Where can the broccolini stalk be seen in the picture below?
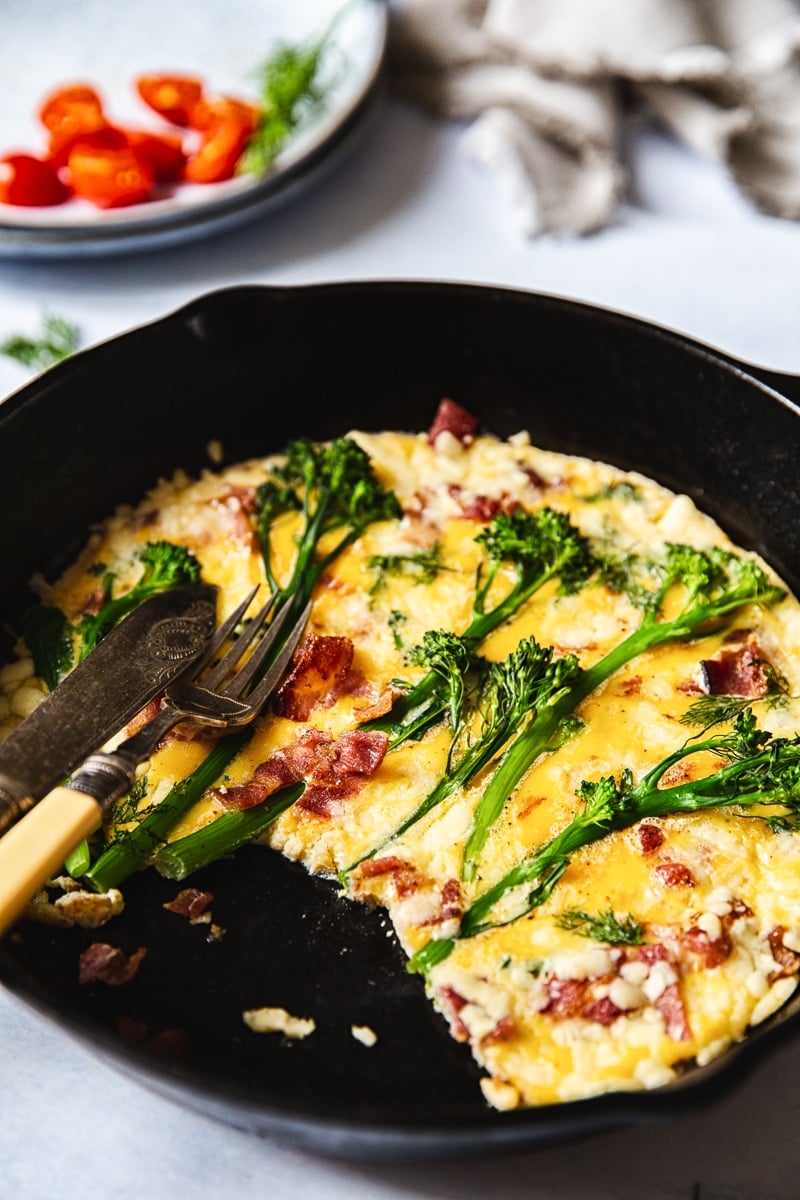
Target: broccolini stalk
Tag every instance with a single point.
(334, 487)
(759, 770)
(135, 848)
(713, 583)
(48, 636)
(165, 564)
(223, 836)
(539, 546)
(507, 699)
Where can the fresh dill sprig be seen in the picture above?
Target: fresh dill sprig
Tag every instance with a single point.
(128, 808)
(394, 621)
(422, 566)
(291, 92)
(708, 711)
(623, 489)
(604, 927)
(58, 340)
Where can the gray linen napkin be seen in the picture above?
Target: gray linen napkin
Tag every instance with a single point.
(546, 85)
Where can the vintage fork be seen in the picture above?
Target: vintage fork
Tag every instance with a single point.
(224, 694)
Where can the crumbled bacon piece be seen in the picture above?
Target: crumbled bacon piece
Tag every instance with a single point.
(713, 951)
(670, 1005)
(788, 960)
(93, 602)
(650, 837)
(632, 686)
(108, 964)
(651, 953)
(404, 875)
(452, 1004)
(741, 672)
(503, 1030)
(534, 478)
(452, 418)
(566, 997)
(190, 903)
(452, 905)
(379, 705)
(142, 718)
(603, 1011)
(480, 507)
(333, 770)
(674, 874)
(237, 503)
(320, 664)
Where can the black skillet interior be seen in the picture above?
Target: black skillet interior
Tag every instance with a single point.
(254, 367)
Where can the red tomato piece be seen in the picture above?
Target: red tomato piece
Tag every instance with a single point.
(28, 181)
(110, 178)
(164, 152)
(219, 151)
(71, 111)
(173, 97)
(107, 138)
(208, 113)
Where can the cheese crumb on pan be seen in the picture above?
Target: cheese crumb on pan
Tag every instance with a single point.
(278, 1020)
(365, 1035)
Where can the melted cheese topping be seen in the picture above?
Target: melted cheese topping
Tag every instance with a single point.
(497, 989)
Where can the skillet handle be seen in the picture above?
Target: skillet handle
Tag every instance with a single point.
(780, 381)
(37, 846)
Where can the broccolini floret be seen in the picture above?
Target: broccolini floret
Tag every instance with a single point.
(706, 585)
(336, 490)
(538, 547)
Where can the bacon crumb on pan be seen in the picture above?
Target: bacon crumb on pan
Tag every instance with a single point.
(320, 664)
(108, 964)
(190, 903)
(453, 419)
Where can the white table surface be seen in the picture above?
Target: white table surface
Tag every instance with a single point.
(688, 252)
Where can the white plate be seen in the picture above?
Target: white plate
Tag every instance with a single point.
(221, 41)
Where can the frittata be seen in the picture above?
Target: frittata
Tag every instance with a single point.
(651, 942)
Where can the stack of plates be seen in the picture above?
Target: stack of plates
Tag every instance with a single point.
(221, 41)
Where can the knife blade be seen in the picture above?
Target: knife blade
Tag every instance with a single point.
(147, 650)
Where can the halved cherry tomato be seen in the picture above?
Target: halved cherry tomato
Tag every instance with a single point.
(208, 113)
(107, 138)
(174, 97)
(28, 181)
(69, 111)
(164, 152)
(219, 151)
(110, 178)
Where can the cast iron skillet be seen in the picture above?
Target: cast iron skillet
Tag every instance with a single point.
(254, 367)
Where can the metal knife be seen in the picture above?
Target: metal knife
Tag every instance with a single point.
(137, 659)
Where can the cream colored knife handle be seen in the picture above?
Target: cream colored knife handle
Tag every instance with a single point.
(34, 849)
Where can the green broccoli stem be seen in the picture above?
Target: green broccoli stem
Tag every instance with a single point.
(219, 839)
(645, 801)
(135, 848)
(542, 733)
(473, 762)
